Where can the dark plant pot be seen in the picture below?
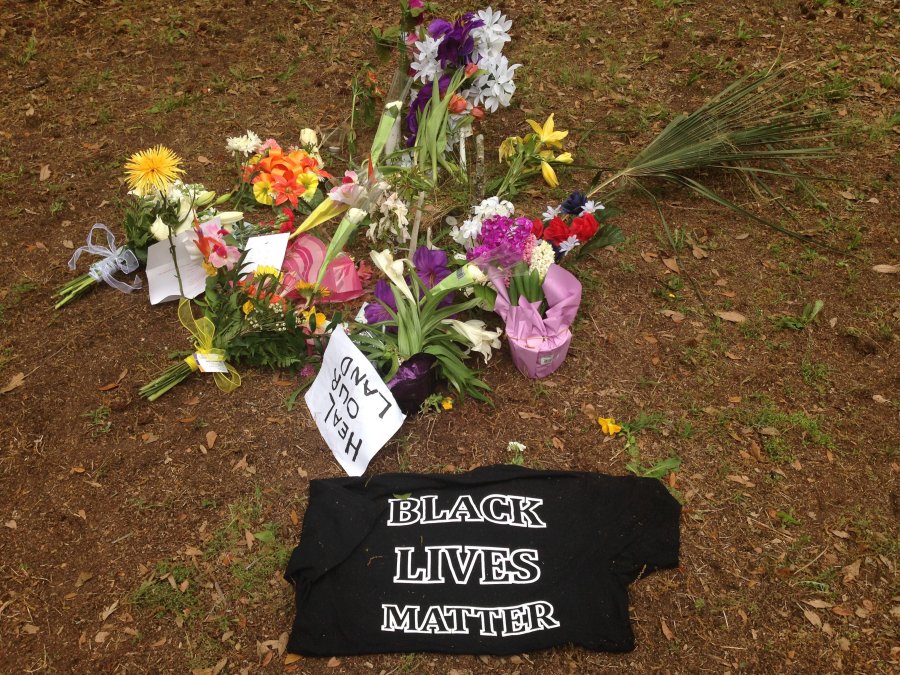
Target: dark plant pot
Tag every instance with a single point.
(415, 381)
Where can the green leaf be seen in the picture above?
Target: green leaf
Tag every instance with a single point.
(265, 536)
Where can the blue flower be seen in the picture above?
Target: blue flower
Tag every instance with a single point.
(574, 203)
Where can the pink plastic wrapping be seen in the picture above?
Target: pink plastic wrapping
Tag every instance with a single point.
(304, 259)
(539, 345)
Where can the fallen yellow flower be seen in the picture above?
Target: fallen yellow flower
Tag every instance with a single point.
(609, 426)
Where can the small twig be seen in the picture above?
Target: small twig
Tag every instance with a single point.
(810, 562)
(123, 538)
(479, 166)
(414, 239)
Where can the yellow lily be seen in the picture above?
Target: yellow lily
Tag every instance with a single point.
(609, 426)
(546, 133)
(508, 147)
(564, 158)
(549, 175)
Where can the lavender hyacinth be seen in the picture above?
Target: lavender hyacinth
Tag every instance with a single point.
(502, 238)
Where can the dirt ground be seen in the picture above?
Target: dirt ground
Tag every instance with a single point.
(123, 524)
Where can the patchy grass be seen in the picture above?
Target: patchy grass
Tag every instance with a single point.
(161, 594)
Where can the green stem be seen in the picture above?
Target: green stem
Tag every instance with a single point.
(171, 376)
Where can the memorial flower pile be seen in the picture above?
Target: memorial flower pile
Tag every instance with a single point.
(271, 275)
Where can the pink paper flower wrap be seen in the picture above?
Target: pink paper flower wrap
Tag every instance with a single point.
(303, 260)
(539, 345)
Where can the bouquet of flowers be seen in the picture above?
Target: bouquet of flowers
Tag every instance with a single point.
(246, 320)
(413, 328)
(527, 157)
(282, 179)
(161, 205)
(474, 43)
(576, 226)
(538, 311)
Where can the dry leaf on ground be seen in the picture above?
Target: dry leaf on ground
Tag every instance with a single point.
(733, 317)
(672, 264)
(15, 382)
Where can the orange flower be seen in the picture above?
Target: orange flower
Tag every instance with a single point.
(457, 104)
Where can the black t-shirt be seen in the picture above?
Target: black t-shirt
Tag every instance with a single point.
(501, 560)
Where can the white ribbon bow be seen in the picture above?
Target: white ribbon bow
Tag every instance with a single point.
(114, 259)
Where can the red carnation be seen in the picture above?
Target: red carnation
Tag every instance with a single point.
(557, 231)
(584, 227)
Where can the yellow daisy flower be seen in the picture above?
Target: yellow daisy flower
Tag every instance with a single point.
(263, 270)
(310, 181)
(262, 192)
(152, 169)
(447, 403)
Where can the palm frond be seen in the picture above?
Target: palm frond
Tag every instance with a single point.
(762, 119)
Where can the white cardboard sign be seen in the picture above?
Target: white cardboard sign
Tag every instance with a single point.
(353, 408)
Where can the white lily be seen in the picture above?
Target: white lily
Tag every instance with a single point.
(230, 217)
(204, 197)
(482, 341)
(393, 270)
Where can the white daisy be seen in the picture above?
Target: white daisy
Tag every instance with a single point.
(569, 244)
(551, 212)
(246, 145)
(590, 206)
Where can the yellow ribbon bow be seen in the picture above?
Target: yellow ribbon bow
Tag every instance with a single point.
(203, 331)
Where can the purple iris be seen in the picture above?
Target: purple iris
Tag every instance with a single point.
(430, 265)
(573, 203)
(418, 105)
(458, 45)
(374, 311)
